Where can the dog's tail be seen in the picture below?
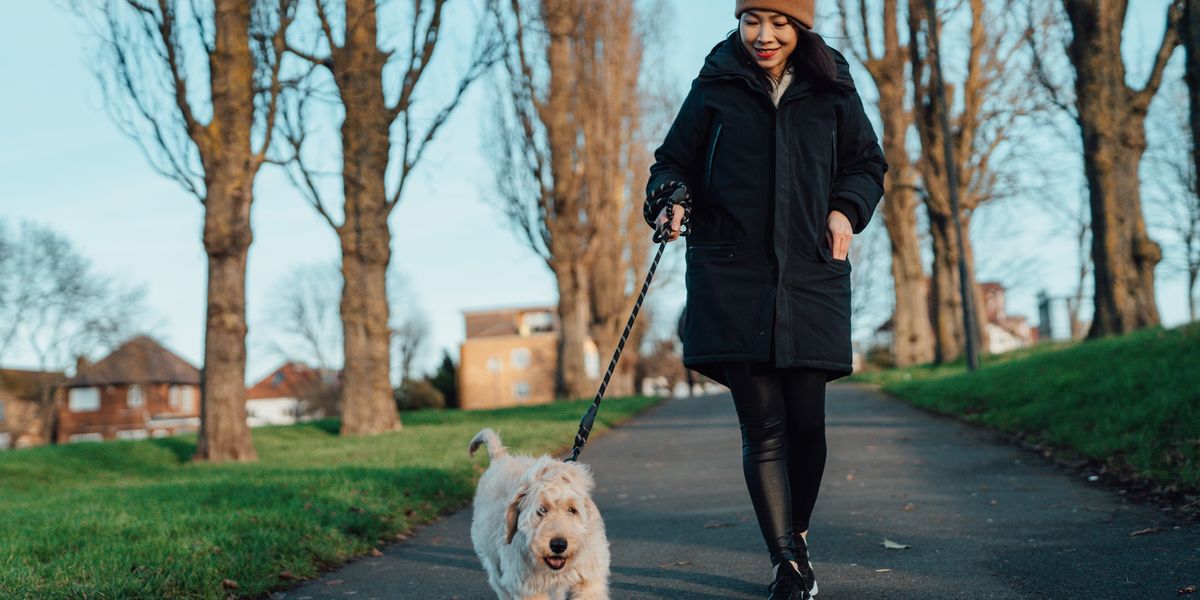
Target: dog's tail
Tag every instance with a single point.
(489, 437)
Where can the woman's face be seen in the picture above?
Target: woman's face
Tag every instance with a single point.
(769, 37)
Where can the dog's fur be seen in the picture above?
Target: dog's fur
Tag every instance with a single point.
(522, 504)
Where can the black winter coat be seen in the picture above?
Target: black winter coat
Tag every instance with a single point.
(760, 272)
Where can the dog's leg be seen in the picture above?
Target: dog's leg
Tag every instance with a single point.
(590, 590)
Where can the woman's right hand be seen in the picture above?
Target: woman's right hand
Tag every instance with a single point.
(676, 222)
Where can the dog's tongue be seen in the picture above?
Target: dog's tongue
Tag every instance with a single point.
(555, 562)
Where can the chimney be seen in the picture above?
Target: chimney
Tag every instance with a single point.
(81, 364)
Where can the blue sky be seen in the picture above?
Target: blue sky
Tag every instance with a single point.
(63, 163)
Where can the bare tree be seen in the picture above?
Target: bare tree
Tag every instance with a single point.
(1111, 118)
(410, 336)
(197, 86)
(304, 316)
(888, 66)
(55, 307)
(1190, 28)
(573, 141)
(990, 99)
(360, 59)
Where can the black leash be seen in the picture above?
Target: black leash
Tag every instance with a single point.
(589, 418)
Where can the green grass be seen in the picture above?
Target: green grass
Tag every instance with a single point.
(137, 520)
(1131, 401)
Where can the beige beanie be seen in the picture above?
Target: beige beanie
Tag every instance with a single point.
(801, 10)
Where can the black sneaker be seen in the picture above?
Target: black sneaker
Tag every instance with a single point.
(804, 565)
(788, 585)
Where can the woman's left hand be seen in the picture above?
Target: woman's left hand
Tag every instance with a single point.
(838, 233)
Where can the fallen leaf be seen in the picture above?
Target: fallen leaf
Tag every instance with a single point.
(335, 582)
(229, 584)
(883, 570)
(910, 507)
(890, 545)
(286, 575)
(1146, 531)
(375, 552)
(1187, 589)
(849, 476)
(675, 564)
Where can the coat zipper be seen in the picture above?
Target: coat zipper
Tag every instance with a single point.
(833, 175)
(712, 151)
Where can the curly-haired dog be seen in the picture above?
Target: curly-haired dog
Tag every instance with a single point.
(535, 527)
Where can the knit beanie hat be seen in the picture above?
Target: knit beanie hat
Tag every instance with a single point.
(801, 10)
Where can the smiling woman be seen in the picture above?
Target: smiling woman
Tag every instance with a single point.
(774, 165)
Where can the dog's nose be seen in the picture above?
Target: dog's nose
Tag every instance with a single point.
(558, 545)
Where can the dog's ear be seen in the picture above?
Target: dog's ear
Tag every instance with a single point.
(510, 516)
(593, 513)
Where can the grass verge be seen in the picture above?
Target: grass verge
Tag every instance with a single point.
(1131, 402)
(137, 520)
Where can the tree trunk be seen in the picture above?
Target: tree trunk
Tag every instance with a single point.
(1111, 119)
(224, 434)
(573, 316)
(230, 167)
(1191, 40)
(945, 290)
(367, 403)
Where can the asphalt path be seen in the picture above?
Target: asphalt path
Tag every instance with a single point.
(982, 518)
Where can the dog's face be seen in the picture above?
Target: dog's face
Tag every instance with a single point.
(555, 513)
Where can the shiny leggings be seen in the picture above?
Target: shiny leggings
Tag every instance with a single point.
(782, 418)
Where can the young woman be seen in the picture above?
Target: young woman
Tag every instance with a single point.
(772, 166)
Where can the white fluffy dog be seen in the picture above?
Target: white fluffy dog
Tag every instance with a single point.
(535, 527)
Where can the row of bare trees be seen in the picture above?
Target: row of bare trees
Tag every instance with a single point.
(1002, 79)
(214, 92)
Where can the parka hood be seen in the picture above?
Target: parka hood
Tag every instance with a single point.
(724, 60)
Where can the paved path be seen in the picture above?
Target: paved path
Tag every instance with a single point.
(984, 519)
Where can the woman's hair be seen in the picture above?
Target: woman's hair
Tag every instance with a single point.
(810, 58)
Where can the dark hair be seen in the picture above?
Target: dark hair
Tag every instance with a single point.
(810, 58)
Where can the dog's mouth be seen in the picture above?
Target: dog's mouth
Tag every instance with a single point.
(555, 561)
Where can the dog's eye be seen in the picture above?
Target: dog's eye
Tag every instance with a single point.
(542, 510)
(572, 510)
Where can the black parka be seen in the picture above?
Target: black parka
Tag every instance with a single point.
(763, 179)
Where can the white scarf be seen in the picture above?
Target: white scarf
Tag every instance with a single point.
(778, 88)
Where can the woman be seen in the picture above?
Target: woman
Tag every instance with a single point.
(772, 166)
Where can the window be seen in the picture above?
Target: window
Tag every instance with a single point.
(5, 440)
(537, 322)
(135, 398)
(160, 433)
(86, 437)
(520, 358)
(494, 364)
(180, 397)
(521, 390)
(132, 434)
(591, 361)
(84, 400)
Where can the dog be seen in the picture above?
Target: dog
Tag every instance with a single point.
(536, 529)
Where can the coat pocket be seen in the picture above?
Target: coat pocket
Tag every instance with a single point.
(708, 161)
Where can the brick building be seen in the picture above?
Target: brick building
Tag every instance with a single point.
(140, 390)
(26, 400)
(508, 357)
(279, 398)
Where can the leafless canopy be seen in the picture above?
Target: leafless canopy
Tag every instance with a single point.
(156, 69)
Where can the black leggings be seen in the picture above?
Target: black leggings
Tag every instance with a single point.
(782, 417)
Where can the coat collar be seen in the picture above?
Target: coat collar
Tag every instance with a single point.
(725, 62)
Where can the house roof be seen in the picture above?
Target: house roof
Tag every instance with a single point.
(28, 385)
(139, 360)
(288, 381)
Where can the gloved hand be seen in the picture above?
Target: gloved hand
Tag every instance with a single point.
(668, 210)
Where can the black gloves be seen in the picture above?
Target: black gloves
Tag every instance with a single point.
(671, 192)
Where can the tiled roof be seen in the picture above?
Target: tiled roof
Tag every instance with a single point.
(139, 360)
(289, 381)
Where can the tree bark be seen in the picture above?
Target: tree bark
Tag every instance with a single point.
(229, 170)
(367, 403)
(912, 340)
(1111, 118)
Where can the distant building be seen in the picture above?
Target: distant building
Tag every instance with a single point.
(1004, 332)
(140, 390)
(26, 402)
(508, 357)
(278, 399)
